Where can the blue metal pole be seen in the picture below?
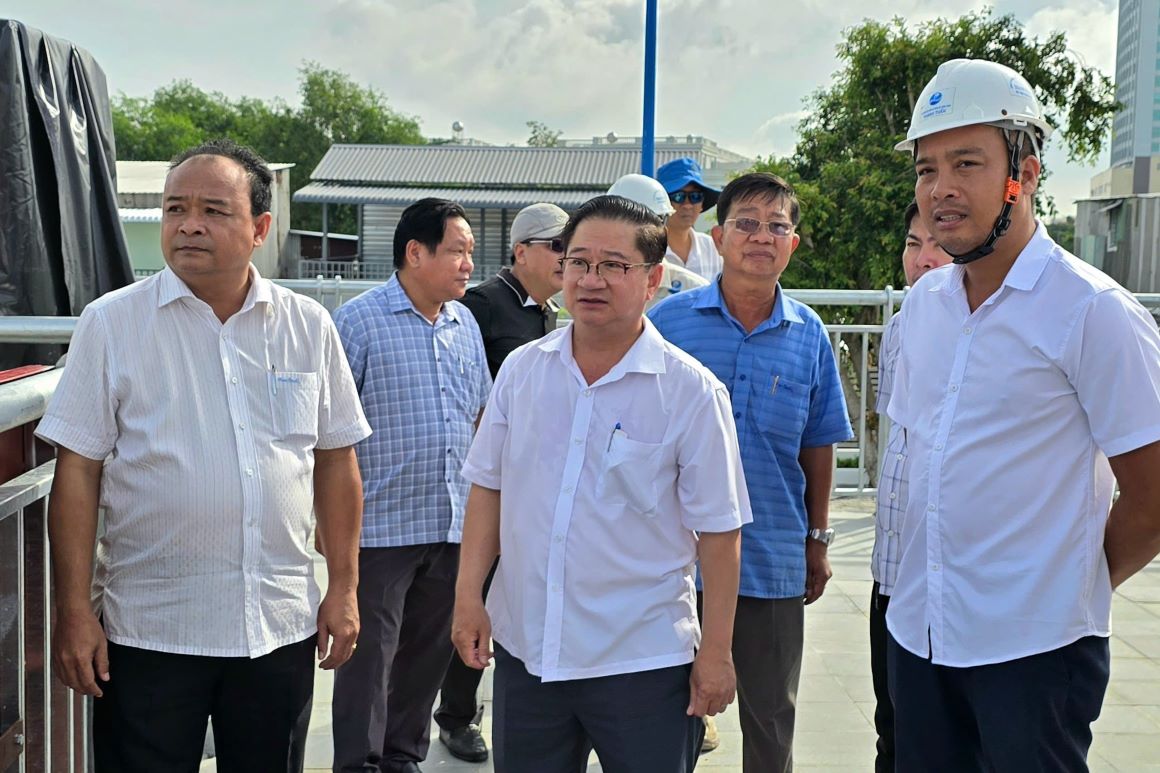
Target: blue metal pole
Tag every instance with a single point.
(647, 138)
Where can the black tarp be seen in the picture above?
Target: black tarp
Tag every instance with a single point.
(61, 243)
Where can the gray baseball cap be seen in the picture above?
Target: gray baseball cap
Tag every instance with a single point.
(539, 221)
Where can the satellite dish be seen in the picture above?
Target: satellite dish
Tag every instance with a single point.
(611, 137)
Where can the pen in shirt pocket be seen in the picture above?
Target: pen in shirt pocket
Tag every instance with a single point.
(613, 434)
(773, 389)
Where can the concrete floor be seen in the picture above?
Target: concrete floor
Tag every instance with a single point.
(836, 702)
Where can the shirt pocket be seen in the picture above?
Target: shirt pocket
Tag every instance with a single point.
(294, 404)
(629, 477)
(784, 408)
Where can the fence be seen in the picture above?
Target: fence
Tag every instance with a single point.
(42, 724)
(346, 269)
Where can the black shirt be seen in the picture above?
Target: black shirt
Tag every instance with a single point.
(498, 305)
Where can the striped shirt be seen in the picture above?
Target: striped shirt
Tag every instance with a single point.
(786, 394)
(207, 431)
(894, 467)
(422, 387)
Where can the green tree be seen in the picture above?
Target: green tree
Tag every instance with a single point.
(852, 184)
(1063, 232)
(541, 136)
(334, 109)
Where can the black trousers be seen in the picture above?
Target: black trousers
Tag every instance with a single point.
(1030, 715)
(635, 722)
(156, 707)
(459, 705)
(884, 707)
(383, 695)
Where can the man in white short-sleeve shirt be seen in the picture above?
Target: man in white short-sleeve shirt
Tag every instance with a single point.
(207, 411)
(1028, 385)
(606, 464)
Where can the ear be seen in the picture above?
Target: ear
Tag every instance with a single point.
(519, 251)
(414, 253)
(718, 234)
(794, 242)
(1029, 175)
(655, 274)
(262, 228)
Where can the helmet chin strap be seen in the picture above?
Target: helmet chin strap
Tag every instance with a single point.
(1010, 197)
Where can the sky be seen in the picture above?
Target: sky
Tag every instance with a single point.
(735, 71)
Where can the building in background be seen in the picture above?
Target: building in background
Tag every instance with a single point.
(492, 183)
(139, 188)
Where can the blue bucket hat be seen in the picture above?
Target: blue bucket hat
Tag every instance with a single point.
(679, 173)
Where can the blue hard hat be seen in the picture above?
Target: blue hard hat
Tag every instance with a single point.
(682, 171)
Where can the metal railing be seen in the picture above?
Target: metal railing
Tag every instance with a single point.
(855, 345)
(43, 725)
(348, 269)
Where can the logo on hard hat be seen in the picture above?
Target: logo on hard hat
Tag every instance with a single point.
(936, 97)
(1018, 90)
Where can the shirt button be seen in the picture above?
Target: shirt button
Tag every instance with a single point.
(558, 539)
(954, 387)
(567, 489)
(250, 471)
(587, 392)
(741, 377)
(930, 508)
(938, 446)
(448, 450)
(966, 331)
(935, 567)
(890, 533)
(234, 380)
(737, 415)
(241, 426)
(893, 495)
(555, 589)
(898, 457)
(577, 441)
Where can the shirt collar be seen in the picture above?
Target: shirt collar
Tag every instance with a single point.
(171, 288)
(646, 355)
(508, 277)
(399, 301)
(1023, 275)
(783, 311)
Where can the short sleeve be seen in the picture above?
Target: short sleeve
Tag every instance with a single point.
(82, 415)
(341, 421)
(353, 341)
(1112, 359)
(887, 360)
(828, 421)
(484, 463)
(710, 480)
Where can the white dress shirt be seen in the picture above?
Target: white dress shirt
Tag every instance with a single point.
(208, 433)
(1011, 413)
(603, 487)
(704, 259)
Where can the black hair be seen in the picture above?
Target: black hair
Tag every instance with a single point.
(909, 215)
(757, 184)
(254, 166)
(651, 239)
(424, 221)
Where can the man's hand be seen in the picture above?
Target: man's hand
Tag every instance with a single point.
(471, 633)
(817, 570)
(80, 652)
(713, 683)
(338, 627)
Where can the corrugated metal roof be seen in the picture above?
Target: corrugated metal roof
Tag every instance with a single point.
(336, 193)
(496, 167)
(149, 215)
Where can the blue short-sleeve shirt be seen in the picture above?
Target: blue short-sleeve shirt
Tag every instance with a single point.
(786, 393)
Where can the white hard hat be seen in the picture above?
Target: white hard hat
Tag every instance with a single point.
(644, 191)
(965, 92)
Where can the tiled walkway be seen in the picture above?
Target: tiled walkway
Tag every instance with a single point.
(836, 703)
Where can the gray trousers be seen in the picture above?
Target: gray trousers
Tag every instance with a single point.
(383, 695)
(768, 636)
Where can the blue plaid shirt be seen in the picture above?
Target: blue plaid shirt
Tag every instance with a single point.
(422, 386)
(786, 396)
(894, 470)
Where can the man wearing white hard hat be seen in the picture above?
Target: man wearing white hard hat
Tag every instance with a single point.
(648, 192)
(1028, 385)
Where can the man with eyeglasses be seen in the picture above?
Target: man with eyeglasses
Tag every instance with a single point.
(606, 465)
(774, 355)
(512, 308)
(690, 196)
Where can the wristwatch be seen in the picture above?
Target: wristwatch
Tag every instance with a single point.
(824, 536)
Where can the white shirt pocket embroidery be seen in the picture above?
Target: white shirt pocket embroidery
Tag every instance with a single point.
(294, 402)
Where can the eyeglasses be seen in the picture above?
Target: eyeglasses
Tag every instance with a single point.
(608, 270)
(750, 225)
(555, 245)
(694, 197)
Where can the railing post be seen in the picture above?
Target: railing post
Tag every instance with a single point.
(883, 419)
